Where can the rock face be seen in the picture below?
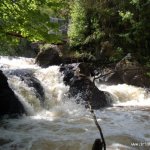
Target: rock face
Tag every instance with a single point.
(132, 72)
(110, 76)
(128, 71)
(83, 90)
(48, 56)
(9, 103)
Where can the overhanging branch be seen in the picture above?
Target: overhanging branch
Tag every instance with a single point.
(17, 35)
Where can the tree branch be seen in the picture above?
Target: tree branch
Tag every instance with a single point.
(15, 34)
(103, 143)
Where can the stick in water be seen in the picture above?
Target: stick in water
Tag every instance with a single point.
(98, 142)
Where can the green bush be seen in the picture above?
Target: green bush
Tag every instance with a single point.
(125, 24)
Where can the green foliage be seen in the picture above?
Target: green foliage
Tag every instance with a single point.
(90, 24)
(25, 17)
(148, 74)
(118, 55)
(148, 61)
(28, 19)
(125, 24)
(77, 26)
(135, 26)
(7, 49)
(7, 45)
(126, 16)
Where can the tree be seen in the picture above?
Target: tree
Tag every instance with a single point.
(124, 24)
(77, 27)
(134, 20)
(91, 23)
(28, 19)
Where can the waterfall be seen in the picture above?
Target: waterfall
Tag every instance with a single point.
(127, 95)
(50, 79)
(54, 89)
(8, 62)
(56, 122)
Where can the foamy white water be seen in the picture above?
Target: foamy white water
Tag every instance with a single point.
(64, 125)
(7, 62)
(52, 81)
(128, 95)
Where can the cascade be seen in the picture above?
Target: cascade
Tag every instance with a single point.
(50, 79)
(57, 122)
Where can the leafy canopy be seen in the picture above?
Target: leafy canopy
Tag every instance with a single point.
(125, 24)
(28, 19)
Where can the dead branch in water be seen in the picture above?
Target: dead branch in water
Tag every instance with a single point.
(101, 144)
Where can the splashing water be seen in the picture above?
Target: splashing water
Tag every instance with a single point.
(64, 125)
(7, 62)
(128, 95)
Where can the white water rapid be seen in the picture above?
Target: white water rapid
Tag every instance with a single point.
(61, 124)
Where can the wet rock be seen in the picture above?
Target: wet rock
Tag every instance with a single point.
(110, 76)
(86, 69)
(9, 103)
(70, 70)
(132, 72)
(86, 92)
(115, 79)
(27, 76)
(128, 71)
(68, 73)
(83, 89)
(48, 56)
(128, 63)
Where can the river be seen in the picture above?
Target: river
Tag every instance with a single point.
(61, 124)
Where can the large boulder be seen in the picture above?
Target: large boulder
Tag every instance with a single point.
(132, 72)
(128, 63)
(83, 89)
(109, 75)
(9, 103)
(85, 92)
(28, 77)
(128, 71)
(86, 69)
(48, 56)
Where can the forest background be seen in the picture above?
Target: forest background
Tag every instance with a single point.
(97, 28)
